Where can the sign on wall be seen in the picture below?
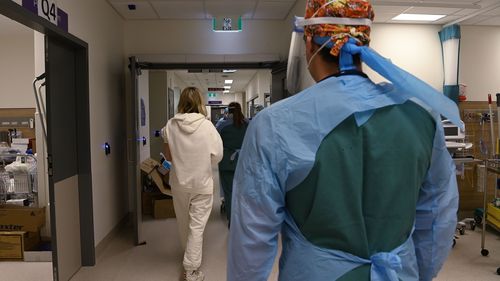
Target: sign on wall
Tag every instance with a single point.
(227, 24)
(213, 99)
(48, 10)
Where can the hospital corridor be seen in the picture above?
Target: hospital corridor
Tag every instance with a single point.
(158, 259)
(249, 140)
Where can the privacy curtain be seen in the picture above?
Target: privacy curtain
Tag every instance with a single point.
(450, 43)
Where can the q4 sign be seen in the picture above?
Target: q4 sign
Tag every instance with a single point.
(47, 9)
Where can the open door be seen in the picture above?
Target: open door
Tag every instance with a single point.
(279, 89)
(134, 143)
(68, 152)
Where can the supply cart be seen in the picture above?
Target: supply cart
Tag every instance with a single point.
(492, 166)
(18, 180)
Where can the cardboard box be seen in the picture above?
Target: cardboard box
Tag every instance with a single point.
(147, 201)
(19, 218)
(163, 208)
(150, 167)
(148, 198)
(12, 245)
(31, 240)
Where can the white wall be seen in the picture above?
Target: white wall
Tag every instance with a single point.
(480, 61)
(177, 84)
(229, 98)
(258, 86)
(18, 66)
(158, 109)
(197, 37)
(252, 89)
(238, 97)
(264, 76)
(144, 131)
(414, 48)
(41, 146)
(95, 22)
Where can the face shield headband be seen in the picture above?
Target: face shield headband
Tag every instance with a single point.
(301, 22)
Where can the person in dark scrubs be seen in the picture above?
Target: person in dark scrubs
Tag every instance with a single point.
(232, 131)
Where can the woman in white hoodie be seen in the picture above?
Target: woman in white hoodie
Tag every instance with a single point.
(193, 145)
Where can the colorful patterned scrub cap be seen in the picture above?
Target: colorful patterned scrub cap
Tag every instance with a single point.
(339, 33)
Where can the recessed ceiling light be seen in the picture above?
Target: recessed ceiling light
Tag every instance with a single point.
(225, 92)
(229, 70)
(227, 87)
(228, 81)
(418, 17)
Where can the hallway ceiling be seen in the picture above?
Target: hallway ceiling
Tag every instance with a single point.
(203, 9)
(470, 12)
(203, 81)
(485, 12)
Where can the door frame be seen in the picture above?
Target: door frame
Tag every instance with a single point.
(21, 15)
(133, 138)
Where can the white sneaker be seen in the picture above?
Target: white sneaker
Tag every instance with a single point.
(195, 275)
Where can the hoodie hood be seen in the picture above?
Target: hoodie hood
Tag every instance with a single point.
(189, 122)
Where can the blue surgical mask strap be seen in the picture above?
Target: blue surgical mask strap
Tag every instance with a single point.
(346, 61)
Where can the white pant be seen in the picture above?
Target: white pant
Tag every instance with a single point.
(192, 212)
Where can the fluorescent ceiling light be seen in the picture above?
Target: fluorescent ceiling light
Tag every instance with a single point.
(227, 87)
(228, 82)
(229, 70)
(225, 92)
(418, 17)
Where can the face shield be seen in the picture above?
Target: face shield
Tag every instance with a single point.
(296, 56)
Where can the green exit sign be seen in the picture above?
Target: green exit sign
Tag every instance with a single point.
(212, 95)
(227, 24)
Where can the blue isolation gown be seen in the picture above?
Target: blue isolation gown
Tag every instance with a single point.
(281, 154)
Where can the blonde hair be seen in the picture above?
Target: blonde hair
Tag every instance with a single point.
(191, 101)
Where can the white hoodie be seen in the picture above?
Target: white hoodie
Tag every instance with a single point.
(195, 145)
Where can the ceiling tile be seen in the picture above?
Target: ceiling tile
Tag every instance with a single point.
(494, 12)
(143, 10)
(272, 10)
(390, 9)
(192, 9)
(432, 10)
(379, 18)
(475, 20)
(240, 78)
(230, 8)
(490, 21)
(465, 12)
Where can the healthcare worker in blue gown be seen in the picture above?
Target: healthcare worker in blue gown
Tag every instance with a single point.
(354, 175)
